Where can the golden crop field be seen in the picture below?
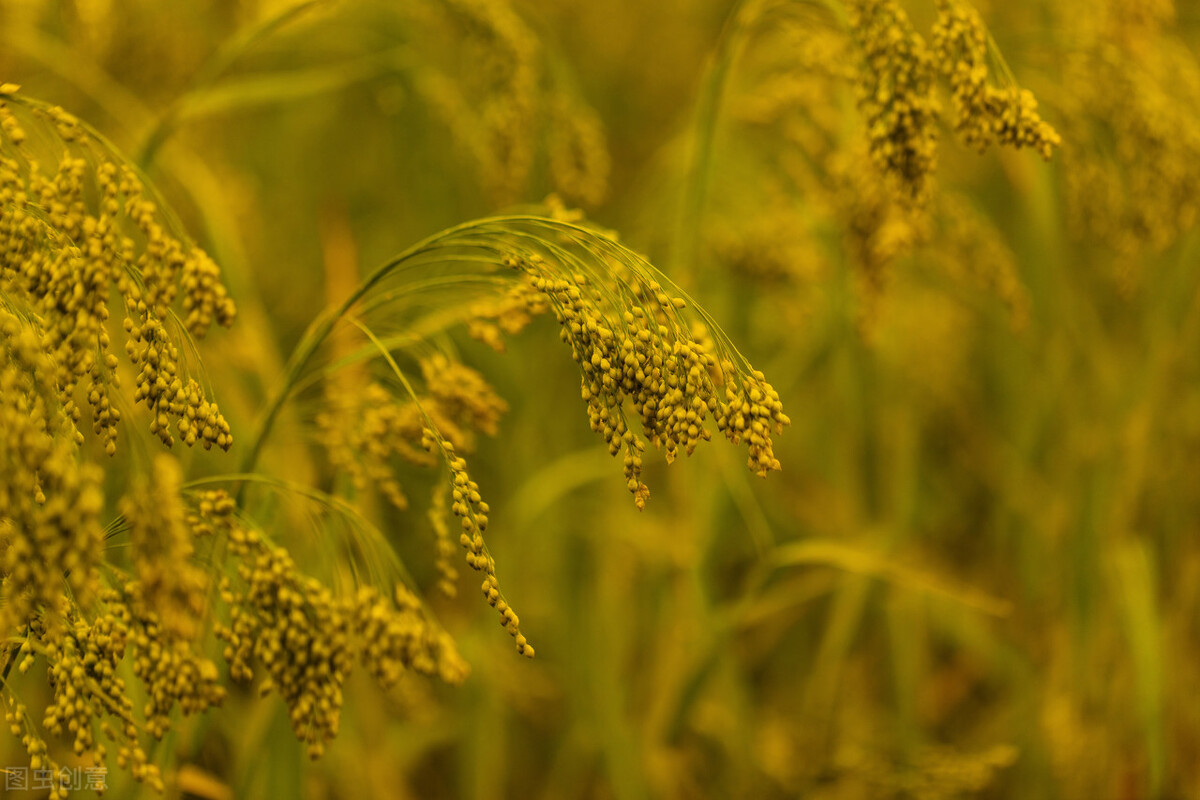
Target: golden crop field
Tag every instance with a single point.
(608, 400)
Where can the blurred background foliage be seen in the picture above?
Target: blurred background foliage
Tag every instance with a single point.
(978, 574)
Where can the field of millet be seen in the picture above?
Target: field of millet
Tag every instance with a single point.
(605, 400)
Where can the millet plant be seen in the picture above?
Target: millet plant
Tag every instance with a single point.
(242, 472)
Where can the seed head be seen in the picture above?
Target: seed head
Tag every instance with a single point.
(984, 113)
(308, 640)
(161, 537)
(68, 239)
(51, 538)
(895, 95)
